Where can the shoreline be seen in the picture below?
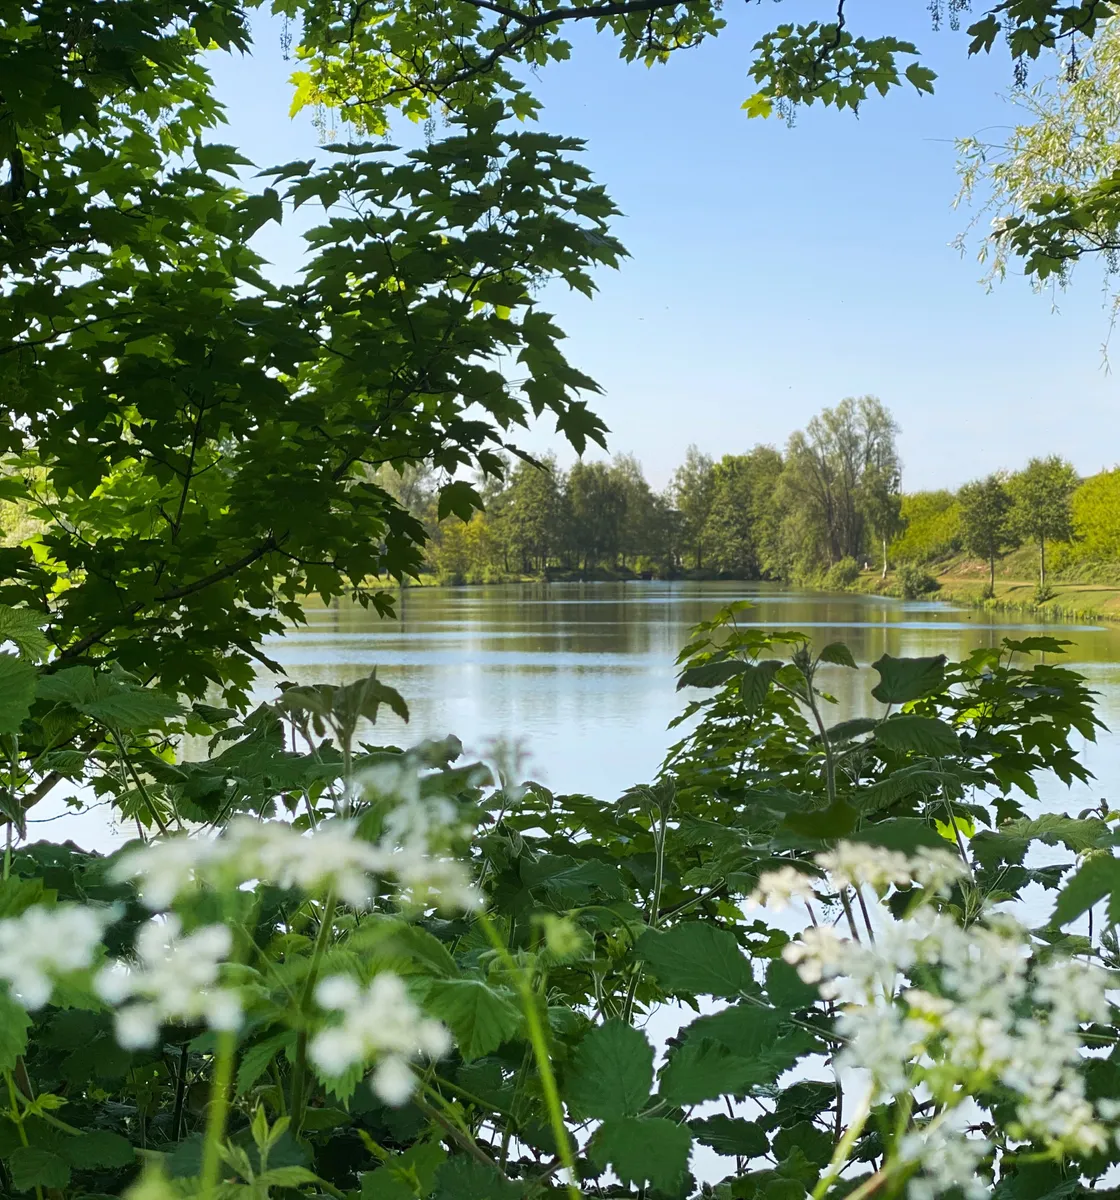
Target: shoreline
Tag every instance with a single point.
(1072, 600)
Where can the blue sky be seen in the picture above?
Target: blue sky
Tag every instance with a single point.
(775, 270)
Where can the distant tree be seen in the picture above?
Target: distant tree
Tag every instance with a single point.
(880, 501)
(986, 531)
(1096, 517)
(932, 527)
(597, 505)
(823, 485)
(534, 514)
(1041, 497)
(638, 533)
(742, 489)
(693, 491)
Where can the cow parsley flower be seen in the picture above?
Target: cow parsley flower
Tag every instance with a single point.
(778, 889)
(175, 978)
(43, 944)
(380, 1023)
(168, 867)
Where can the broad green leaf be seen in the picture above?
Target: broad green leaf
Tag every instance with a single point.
(17, 691)
(643, 1150)
(98, 1148)
(479, 1017)
(700, 1070)
(23, 628)
(116, 702)
(14, 1024)
(31, 1167)
(836, 821)
(764, 1038)
(696, 958)
(838, 653)
(1038, 644)
(845, 731)
(786, 989)
(254, 1061)
(1097, 877)
(1076, 834)
(730, 1135)
(813, 1142)
(711, 674)
(611, 1073)
(899, 833)
(461, 1178)
(906, 733)
(904, 679)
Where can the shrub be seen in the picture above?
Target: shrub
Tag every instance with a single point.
(842, 575)
(915, 582)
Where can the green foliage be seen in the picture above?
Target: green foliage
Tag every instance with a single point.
(932, 528)
(1041, 496)
(611, 1072)
(841, 575)
(915, 582)
(986, 527)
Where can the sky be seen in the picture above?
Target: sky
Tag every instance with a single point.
(775, 270)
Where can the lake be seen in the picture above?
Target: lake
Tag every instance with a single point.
(583, 675)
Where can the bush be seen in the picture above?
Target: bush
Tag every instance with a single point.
(842, 575)
(914, 582)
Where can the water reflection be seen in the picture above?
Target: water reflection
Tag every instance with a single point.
(584, 673)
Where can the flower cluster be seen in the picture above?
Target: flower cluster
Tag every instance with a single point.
(956, 1011)
(853, 864)
(175, 977)
(332, 856)
(379, 1023)
(43, 945)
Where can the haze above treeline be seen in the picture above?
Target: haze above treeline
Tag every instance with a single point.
(827, 505)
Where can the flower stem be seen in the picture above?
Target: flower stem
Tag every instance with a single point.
(216, 1113)
(844, 1148)
(541, 1055)
(299, 1068)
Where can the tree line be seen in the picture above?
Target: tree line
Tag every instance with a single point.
(828, 500)
(827, 506)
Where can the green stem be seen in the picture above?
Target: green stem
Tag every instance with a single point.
(299, 1069)
(541, 1055)
(461, 1139)
(843, 1149)
(148, 802)
(217, 1113)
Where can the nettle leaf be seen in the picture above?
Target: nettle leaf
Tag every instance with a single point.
(1098, 877)
(17, 691)
(838, 653)
(643, 1150)
(31, 1167)
(900, 833)
(255, 1060)
(464, 1179)
(835, 821)
(905, 679)
(480, 1018)
(910, 734)
(701, 1070)
(14, 1024)
(98, 1148)
(611, 1073)
(23, 628)
(730, 1135)
(696, 958)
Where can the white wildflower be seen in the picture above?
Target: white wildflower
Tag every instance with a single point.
(937, 869)
(167, 867)
(778, 889)
(174, 978)
(859, 865)
(379, 1023)
(948, 1160)
(43, 944)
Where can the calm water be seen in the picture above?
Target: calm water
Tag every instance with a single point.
(583, 674)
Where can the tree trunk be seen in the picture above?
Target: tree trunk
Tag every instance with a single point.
(884, 558)
(1042, 564)
(992, 573)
